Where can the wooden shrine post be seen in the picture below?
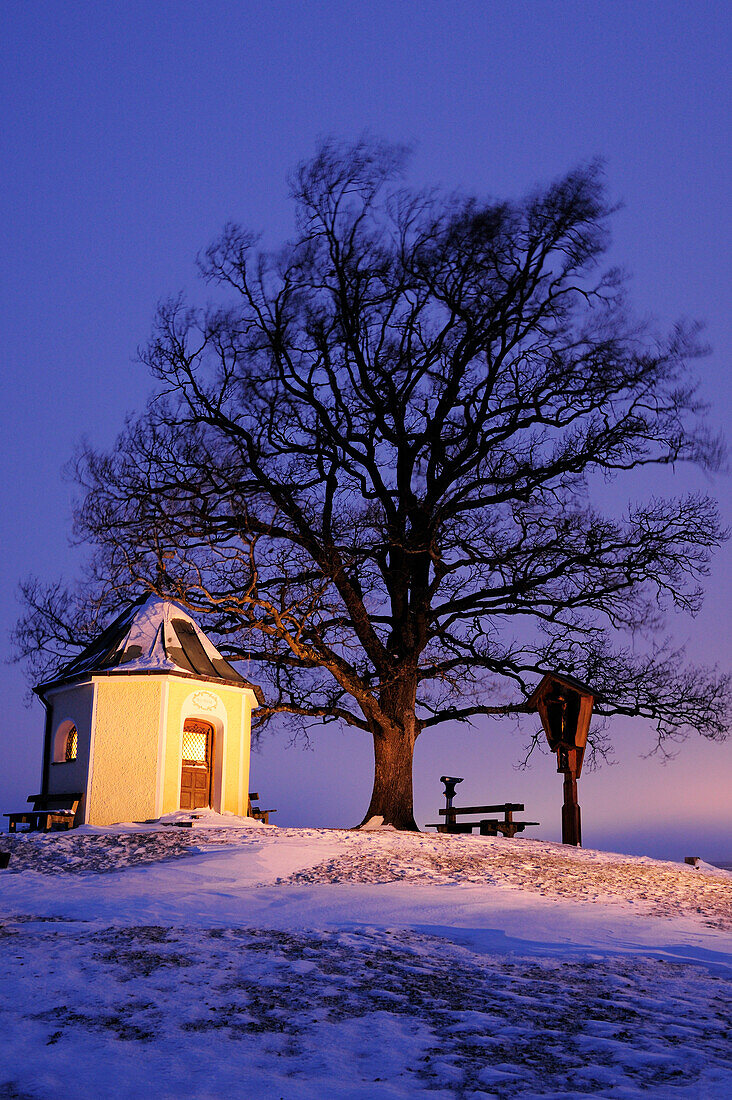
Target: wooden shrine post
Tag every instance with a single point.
(565, 708)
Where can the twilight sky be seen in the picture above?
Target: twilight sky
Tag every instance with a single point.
(131, 132)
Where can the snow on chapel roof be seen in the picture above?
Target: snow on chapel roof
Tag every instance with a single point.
(152, 635)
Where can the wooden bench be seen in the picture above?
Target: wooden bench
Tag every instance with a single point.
(255, 811)
(488, 826)
(50, 812)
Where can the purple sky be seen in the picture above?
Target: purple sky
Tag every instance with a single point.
(131, 132)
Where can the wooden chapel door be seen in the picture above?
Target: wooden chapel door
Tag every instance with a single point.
(196, 765)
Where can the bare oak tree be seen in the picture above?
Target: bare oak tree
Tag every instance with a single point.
(371, 468)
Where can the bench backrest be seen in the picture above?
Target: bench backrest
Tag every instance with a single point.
(66, 801)
(504, 807)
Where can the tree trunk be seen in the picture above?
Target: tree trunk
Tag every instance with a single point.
(392, 797)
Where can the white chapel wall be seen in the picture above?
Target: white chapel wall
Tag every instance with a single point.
(71, 705)
(124, 765)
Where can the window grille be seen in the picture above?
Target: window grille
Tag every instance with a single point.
(196, 742)
(72, 742)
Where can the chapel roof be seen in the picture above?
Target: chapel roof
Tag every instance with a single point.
(152, 635)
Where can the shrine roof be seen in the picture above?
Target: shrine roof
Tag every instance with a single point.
(152, 635)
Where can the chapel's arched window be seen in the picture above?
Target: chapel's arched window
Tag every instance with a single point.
(72, 745)
(65, 743)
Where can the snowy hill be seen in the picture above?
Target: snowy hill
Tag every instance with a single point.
(232, 959)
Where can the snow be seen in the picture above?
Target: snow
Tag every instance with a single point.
(233, 958)
(374, 824)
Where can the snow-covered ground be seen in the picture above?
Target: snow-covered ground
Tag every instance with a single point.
(233, 960)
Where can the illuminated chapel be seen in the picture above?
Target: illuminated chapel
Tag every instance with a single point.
(149, 719)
